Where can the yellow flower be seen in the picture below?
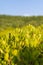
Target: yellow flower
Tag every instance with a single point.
(15, 52)
(6, 56)
(17, 39)
(1, 50)
(3, 42)
(27, 42)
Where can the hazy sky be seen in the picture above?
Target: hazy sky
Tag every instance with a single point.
(21, 7)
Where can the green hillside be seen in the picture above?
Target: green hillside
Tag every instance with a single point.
(19, 21)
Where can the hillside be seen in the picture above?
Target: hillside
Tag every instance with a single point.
(19, 21)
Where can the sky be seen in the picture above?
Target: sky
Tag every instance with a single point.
(21, 7)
